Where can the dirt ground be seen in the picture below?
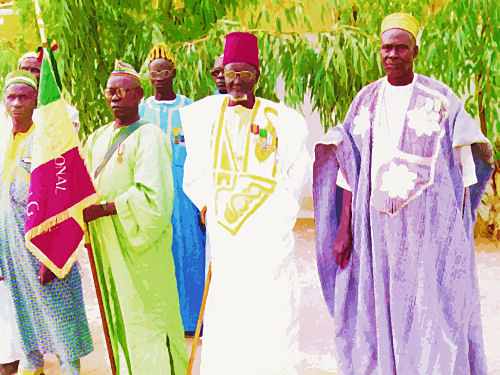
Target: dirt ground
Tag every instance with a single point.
(316, 344)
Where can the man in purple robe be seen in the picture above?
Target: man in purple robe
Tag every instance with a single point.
(397, 265)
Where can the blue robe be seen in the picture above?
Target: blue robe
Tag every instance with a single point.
(188, 241)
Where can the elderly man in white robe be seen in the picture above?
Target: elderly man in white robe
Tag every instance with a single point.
(245, 167)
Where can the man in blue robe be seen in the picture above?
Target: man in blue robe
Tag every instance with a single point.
(188, 242)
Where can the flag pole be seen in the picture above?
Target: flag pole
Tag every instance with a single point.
(104, 320)
(41, 29)
(41, 25)
(200, 320)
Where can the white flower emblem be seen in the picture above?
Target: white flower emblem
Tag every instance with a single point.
(361, 121)
(398, 181)
(423, 120)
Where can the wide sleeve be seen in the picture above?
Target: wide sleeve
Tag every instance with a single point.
(197, 120)
(334, 156)
(467, 133)
(144, 210)
(294, 159)
(327, 210)
(467, 165)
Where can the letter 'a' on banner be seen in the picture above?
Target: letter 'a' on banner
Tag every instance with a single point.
(60, 184)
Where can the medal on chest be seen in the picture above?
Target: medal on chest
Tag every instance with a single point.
(242, 188)
(178, 135)
(267, 141)
(120, 150)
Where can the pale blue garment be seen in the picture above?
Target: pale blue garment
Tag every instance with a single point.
(51, 318)
(188, 241)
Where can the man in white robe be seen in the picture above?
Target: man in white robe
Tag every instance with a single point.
(245, 167)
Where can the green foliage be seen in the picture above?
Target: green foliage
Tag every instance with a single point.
(461, 49)
(459, 46)
(8, 62)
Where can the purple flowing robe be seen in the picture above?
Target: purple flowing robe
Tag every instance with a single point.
(408, 301)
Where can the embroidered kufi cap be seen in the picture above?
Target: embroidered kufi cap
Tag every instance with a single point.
(242, 48)
(27, 55)
(125, 69)
(21, 76)
(403, 21)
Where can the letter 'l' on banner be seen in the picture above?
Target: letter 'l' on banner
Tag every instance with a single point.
(60, 184)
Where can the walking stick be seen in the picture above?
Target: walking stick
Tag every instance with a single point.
(104, 320)
(200, 319)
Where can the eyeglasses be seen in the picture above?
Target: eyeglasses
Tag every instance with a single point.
(109, 92)
(161, 74)
(216, 71)
(245, 76)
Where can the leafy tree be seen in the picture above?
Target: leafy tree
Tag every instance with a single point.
(8, 61)
(327, 49)
(329, 57)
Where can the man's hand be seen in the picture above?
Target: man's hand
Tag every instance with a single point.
(342, 247)
(98, 210)
(45, 275)
(343, 243)
(484, 153)
(203, 213)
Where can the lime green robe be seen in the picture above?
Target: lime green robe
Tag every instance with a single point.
(133, 251)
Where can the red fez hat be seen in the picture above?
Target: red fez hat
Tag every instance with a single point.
(242, 48)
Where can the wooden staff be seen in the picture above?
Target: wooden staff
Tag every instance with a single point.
(200, 320)
(104, 320)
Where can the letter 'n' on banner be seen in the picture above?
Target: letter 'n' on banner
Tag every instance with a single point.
(60, 184)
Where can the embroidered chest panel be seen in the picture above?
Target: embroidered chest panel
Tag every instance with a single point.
(409, 170)
(244, 167)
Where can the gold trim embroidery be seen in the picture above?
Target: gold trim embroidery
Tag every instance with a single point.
(240, 194)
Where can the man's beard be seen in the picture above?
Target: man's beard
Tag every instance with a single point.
(240, 99)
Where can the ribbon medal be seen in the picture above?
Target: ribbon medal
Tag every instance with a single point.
(175, 132)
(120, 150)
(178, 135)
(263, 138)
(266, 143)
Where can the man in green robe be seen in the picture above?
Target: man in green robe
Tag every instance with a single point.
(131, 234)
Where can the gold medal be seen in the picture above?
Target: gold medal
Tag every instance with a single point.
(120, 150)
